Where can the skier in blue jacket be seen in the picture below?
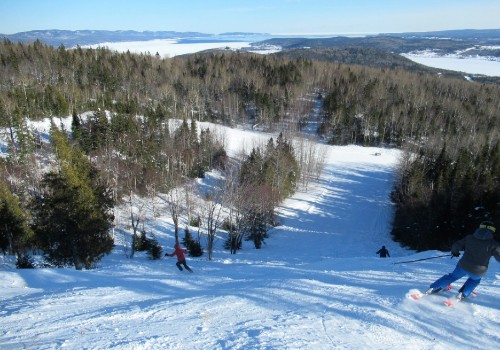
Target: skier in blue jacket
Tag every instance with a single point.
(478, 248)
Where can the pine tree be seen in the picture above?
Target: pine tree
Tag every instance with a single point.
(142, 242)
(76, 125)
(22, 141)
(16, 237)
(73, 216)
(193, 247)
(256, 227)
(154, 249)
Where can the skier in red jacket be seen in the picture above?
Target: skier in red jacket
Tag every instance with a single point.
(181, 260)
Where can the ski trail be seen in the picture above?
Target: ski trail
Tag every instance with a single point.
(325, 330)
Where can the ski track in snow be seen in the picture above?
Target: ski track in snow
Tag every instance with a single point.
(316, 284)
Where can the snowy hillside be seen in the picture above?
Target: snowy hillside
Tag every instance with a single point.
(316, 284)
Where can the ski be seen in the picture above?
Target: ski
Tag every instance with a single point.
(448, 303)
(454, 301)
(417, 295)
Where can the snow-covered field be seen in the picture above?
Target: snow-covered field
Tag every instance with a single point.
(169, 47)
(316, 284)
(477, 65)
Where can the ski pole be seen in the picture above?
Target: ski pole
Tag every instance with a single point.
(434, 257)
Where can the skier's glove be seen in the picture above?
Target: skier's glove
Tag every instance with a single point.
(455, 254)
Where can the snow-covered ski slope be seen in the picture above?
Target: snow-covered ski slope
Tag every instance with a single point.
(316, 283)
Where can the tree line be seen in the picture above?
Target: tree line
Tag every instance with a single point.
(448, 180)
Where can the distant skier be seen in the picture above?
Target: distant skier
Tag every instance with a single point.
(181, 260)
(478, 248)
(383, 252)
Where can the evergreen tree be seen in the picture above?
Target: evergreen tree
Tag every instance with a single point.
(287, 168)
(252, 168)
(99, 129)
(15, 233)
(194, 248)
(256, 227)
(22, 141)
(72, 216)
(439, 198)
(154, 249)
(142, 242)
(76, 126)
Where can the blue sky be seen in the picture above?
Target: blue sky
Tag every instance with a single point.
(264, 16)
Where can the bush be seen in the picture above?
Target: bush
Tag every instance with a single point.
(142, 242)
(194, 248)
(25, 262)
(149, 245)
(233, 243)
(154, 249)
(227, 226)
(195, 221)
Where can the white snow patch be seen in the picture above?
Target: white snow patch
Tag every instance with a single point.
(168, 47)
(489, 66)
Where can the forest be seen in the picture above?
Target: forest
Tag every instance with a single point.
(121, 144)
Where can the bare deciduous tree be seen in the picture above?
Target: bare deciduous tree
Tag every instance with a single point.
(212, 220)
(311, 158)
(233, 200)
(136, 207)
(174, 200)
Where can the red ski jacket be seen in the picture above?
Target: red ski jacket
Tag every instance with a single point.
(179, 252)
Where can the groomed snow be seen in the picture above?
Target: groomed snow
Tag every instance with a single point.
(316, 284)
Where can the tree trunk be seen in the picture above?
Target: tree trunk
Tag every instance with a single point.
(76, 259)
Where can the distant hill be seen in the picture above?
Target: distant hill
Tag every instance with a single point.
(356, 55)
(444, 41)
(461, 34)
(381, 50)
(384, 50)
(391, 43)
(372, 58)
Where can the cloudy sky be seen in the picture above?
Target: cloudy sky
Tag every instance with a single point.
(263, 16)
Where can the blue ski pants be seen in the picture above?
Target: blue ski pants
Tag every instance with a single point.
(469, 285)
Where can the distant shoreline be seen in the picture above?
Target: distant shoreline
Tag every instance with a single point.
(175, 47)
